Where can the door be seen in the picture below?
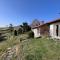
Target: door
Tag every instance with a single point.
(57, 30)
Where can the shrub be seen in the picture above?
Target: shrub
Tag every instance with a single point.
(31, 34)
(15, 33)
(20, 31)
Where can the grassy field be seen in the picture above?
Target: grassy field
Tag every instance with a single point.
(9, 42)
(34, 49)
(42, 49)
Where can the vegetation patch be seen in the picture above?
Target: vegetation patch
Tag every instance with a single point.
(42, 49)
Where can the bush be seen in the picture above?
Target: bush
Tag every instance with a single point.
(20, 31)
(31, 34)
(15, 33)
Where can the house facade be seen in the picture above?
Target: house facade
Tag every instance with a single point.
(41, 30)
(35, 27)
(51, 28)
(36, 31)
(55, 29)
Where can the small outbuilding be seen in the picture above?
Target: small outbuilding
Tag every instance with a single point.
(35, 27)
(51, 28)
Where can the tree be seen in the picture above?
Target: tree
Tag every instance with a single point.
(11, 28)
(21, 26)
(26, 27)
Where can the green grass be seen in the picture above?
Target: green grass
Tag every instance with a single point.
(10, 42)
(34, 49)
(42, 49)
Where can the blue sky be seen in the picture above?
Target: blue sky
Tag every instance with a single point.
(18, 11)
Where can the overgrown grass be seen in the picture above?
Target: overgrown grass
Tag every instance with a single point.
(34, 49)
(42, 49)
(10, 42)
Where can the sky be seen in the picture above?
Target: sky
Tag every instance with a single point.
(18, 11)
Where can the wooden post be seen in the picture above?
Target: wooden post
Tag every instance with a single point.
(21, 50)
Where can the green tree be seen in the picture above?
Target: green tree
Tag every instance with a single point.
(11, 28)
(26, 27)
